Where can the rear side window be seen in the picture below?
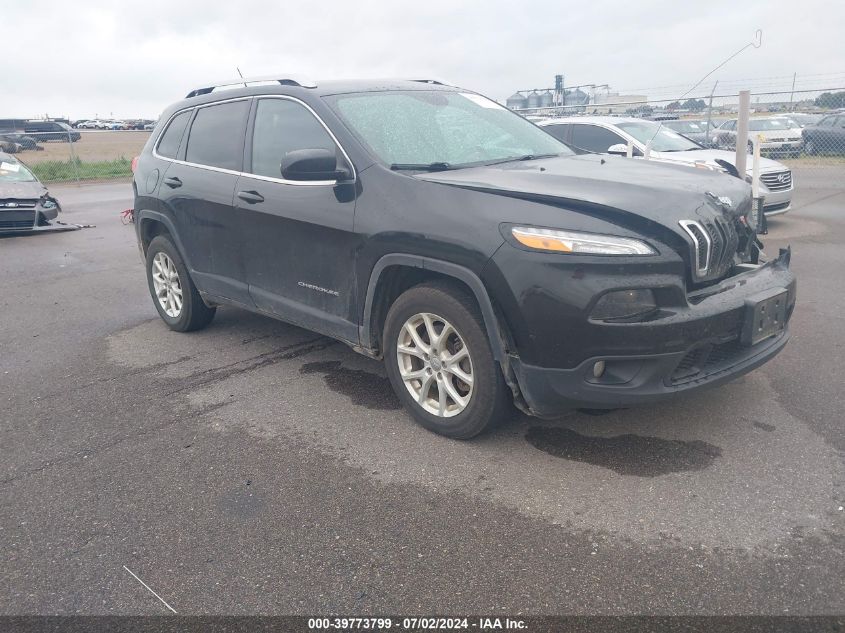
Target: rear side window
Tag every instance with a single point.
(282, 126)
(594, 138)
(168, 146)
(216, 136)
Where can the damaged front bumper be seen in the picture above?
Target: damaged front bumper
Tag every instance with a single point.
(34, 219)
(59, 227)
(723, 333)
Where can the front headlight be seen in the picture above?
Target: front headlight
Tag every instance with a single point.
(46, 203)
(577, 242)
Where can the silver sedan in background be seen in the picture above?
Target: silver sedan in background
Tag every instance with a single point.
(611, 135)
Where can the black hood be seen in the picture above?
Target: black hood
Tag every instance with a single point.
(612, 186)
(23, 190)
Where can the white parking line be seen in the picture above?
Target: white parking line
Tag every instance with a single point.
(150, 590)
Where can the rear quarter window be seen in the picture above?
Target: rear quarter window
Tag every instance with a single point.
(168, 146)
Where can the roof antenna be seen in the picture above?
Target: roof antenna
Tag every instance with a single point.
(241, 75)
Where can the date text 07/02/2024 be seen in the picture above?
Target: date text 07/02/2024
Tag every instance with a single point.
(416, 623)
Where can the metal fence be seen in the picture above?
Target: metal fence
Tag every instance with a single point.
(807, 126)
(76, 155)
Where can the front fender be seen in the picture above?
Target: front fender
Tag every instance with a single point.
(448, 269)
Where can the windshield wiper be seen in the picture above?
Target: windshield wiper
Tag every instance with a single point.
(514, 159)
(420, 166)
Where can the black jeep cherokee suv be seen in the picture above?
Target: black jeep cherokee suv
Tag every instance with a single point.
(477, 255)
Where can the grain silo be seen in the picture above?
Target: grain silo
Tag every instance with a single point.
(516, 101)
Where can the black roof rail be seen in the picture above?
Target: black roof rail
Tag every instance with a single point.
(293, 80)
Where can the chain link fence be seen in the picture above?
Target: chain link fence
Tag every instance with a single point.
(805, 124)
(801, 134)
(76, 155)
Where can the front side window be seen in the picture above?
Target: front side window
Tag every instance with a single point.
(593, 138)
(559, 131)
(168, 146)
(450, 129)
(282, 126)
(216, 135)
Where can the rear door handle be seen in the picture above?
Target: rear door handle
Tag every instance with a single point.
(173, 182)
(251, 197)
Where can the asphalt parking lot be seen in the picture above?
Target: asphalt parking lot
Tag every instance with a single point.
(255, 467)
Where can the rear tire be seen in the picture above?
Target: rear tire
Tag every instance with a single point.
(810, 148)
(439, 362)
(174, 294)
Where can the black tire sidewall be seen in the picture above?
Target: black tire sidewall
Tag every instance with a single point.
(190, 297)
(488, 402)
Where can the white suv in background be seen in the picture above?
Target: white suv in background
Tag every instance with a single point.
(611, 135)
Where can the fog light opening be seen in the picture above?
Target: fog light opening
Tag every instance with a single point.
(598, 369)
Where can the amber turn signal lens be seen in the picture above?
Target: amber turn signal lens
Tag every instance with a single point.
(542, 243)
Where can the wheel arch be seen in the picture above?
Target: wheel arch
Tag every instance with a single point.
(375, 307)
(153, 223)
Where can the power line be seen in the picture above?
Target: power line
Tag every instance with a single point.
(739, 81)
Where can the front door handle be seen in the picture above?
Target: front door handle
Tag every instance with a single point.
(251, 197)
(173, 182)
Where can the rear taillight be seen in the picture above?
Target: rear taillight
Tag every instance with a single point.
(134, 164)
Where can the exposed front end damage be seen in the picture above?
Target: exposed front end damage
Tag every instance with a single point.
(723, 332)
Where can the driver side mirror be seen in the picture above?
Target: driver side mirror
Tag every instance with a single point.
(312, 165)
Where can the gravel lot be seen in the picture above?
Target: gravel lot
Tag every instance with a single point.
(255, 467)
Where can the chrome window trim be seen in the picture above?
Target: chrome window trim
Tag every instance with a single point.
(321, 183)
(297, 183)
(164, 130)
(186, 109)
(685, 224)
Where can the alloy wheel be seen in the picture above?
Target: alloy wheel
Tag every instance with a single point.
(435, 364)
(168, 288)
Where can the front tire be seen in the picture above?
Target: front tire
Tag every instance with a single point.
(440, 364)
(174, 294)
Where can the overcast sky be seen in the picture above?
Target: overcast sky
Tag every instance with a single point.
(93, 58)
